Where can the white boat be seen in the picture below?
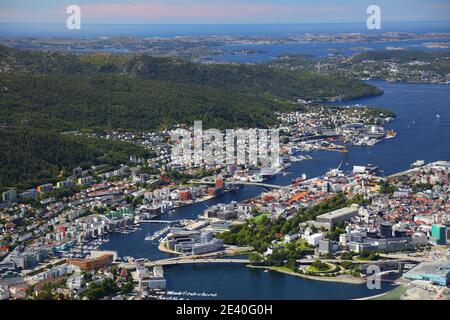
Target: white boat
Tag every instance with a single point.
(417, 163)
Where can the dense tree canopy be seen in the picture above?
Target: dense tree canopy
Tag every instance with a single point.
(33, 156)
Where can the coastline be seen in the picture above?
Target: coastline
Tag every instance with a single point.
(339, 279)
(163, 248)
(394, 294)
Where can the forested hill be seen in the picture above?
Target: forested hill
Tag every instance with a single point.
(34, 156)
(252, 79)
(68, 102)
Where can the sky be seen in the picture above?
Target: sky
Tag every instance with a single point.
(221, 11)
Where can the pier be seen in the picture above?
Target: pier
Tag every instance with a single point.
(445, 164)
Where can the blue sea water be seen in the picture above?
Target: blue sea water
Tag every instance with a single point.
(232, 282)
(266, 52)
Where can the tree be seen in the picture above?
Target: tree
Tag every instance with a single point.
(255, 258)
(292, 264)
(319, 265)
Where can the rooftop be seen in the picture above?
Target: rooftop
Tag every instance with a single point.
(431, 268)
(338, 213)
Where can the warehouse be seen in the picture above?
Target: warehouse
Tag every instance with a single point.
(337, 216)
(434, 272)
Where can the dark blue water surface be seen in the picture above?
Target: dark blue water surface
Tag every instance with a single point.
(420, 135)
(268, 52)
(240, 283)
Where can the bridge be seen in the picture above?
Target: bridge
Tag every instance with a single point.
(244, 183)
(160, 221)
(176, 261)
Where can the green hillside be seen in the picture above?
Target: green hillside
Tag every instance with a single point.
(251, 79)
(122, 101)
(34, 156)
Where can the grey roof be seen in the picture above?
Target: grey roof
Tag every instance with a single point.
(431, 268)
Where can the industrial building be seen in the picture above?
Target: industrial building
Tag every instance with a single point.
(337, 216)
(193, 242)
(29, 259)
(222, 212)
(434, 272)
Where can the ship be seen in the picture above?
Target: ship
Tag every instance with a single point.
(417, 164)
(299, 180)
(390, 134)
(157, 234)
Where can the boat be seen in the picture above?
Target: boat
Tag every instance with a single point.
(390, 134)
(148, 237)
(417, 164)
(256, 178)
(157, 234)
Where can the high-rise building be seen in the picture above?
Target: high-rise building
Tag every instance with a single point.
(386, 229)
(438, 234)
